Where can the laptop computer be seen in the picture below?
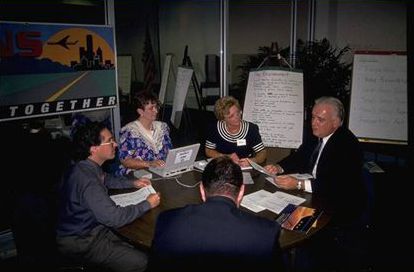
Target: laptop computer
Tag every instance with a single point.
(179, 160)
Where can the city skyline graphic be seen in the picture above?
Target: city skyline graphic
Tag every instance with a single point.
(80, 49)
(48, 69)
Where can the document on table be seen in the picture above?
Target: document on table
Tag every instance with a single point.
(276, 202)
(247, 178)
(251, 201)
(279, 200)
(134, 197)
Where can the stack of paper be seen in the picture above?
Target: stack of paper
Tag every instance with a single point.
(275, 202)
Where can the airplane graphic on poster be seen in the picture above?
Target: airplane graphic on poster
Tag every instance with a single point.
(64, 42)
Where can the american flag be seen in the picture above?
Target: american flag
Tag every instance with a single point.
(149, 64)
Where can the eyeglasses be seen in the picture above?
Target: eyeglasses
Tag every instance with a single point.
(111, 142)
(153, 108)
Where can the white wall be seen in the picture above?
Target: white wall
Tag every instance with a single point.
(363, 25)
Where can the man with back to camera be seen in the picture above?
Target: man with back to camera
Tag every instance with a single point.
(216, 234)
(86, 212)
(334, 159)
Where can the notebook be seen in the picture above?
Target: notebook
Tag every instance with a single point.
(179, 160)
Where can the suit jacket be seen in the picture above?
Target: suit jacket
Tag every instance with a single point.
(338, 182)
(214, 235)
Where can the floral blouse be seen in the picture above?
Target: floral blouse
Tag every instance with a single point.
(137, 144)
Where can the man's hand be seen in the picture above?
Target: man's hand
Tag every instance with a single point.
(286, 182)
(154, 200)
(142, 182)
(273, 169)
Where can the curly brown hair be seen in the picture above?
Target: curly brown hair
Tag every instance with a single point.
(145, 98)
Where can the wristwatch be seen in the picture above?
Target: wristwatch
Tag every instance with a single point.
(299, 185)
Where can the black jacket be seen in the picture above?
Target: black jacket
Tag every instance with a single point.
(338, 184)
(214, 235)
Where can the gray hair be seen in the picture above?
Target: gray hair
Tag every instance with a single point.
(335, 103)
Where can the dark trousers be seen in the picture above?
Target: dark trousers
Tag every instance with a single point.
(102, 248)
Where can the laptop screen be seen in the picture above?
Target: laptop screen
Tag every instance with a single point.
(177, 159)
(181, 157)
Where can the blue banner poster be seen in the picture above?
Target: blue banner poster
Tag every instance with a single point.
(48, 69)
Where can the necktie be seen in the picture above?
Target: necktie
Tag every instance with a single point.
(314, 155)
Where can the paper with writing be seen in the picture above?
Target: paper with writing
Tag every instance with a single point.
(274, 101)
(134, 197)
(275, 202)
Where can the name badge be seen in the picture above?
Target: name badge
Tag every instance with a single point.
(241, 142)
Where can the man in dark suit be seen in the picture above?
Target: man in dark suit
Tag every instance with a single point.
(334, 159)
(216, 234)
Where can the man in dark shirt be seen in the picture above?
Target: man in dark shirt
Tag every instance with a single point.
(216, 235)
(86, 212)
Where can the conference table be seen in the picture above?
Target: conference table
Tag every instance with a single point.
(182, 190)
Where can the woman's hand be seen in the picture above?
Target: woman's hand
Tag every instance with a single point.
(142, 182)
(234, 158)
(157, 163)
(244, 163)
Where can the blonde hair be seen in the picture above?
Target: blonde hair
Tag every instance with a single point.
(223, 105)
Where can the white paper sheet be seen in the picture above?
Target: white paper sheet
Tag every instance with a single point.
(134, 197)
